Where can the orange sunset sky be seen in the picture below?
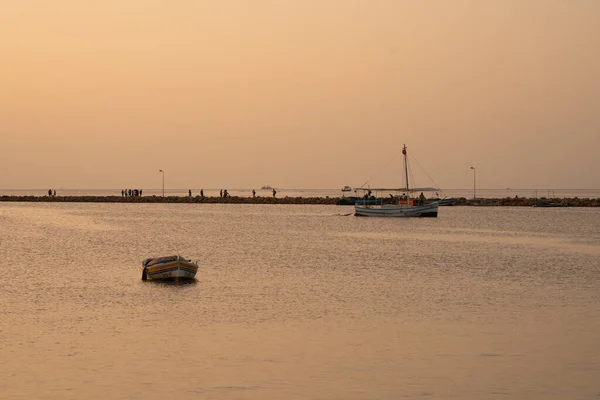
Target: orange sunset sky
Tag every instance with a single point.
(300, 94)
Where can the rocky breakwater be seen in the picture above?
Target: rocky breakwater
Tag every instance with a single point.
(530, 202)
(172, 199)
(506, 202)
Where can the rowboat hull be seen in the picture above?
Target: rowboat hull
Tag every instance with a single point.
(179, 268)
(395, 210)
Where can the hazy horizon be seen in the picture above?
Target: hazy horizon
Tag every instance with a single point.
(299, 94)
(172, 188)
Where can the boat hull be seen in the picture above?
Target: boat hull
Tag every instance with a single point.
(552, 204)
(392, 210)
(443, 202)
(172, 270)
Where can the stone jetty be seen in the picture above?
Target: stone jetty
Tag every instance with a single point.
(508, 201)
(173, 199)
(530, 202)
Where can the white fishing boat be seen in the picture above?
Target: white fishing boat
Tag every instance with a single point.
(397, 203)
(266, 186)
(171, 267)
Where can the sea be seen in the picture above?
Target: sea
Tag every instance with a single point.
(299, 302)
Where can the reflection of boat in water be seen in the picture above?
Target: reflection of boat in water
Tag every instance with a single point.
(266, 187)
(172, 267)
(399, 205)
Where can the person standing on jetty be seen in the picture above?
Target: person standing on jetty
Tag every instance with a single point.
(201, 193)
(274, 192)
(221, 193)
(190, 193)
(49, 192)
(253, 193)
(54, 193)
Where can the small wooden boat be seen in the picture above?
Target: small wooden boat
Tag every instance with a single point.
(401, 205)
(172, 267)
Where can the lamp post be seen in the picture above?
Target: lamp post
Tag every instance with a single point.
(474, 175)
(163, 181)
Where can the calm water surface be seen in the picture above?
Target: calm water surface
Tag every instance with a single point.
(299, 302)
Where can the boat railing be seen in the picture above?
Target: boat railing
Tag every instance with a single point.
(379, 201)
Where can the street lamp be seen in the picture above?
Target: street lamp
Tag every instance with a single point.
(163, 181)
(474, 175)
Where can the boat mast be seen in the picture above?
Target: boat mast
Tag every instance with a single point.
(406, 173)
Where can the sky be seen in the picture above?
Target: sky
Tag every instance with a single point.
(299, 94)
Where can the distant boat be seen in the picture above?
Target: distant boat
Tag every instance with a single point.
(172, 267)
(346, 200)
(450, 201)
(266, 187)
(550, 204)
(401, 205)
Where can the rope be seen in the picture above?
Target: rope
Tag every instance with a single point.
(373, 176)
(412, 176)
(410, 172)
(430, 178)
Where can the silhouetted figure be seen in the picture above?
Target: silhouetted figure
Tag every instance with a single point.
(253, 193)
(49, 192)
(140, 192)
(54, 193)
(190, 193)
(201, 193)
(274, 192)
(122, 193)
(221, 193)
(422, 198)
(225, 193)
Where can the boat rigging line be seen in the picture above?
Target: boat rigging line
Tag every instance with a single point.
(378, 172)
(423, 169)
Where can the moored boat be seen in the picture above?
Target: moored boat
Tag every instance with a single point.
(399, 203)
(550, 204)
(346, 200)
(171, 267)
(443, 202)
